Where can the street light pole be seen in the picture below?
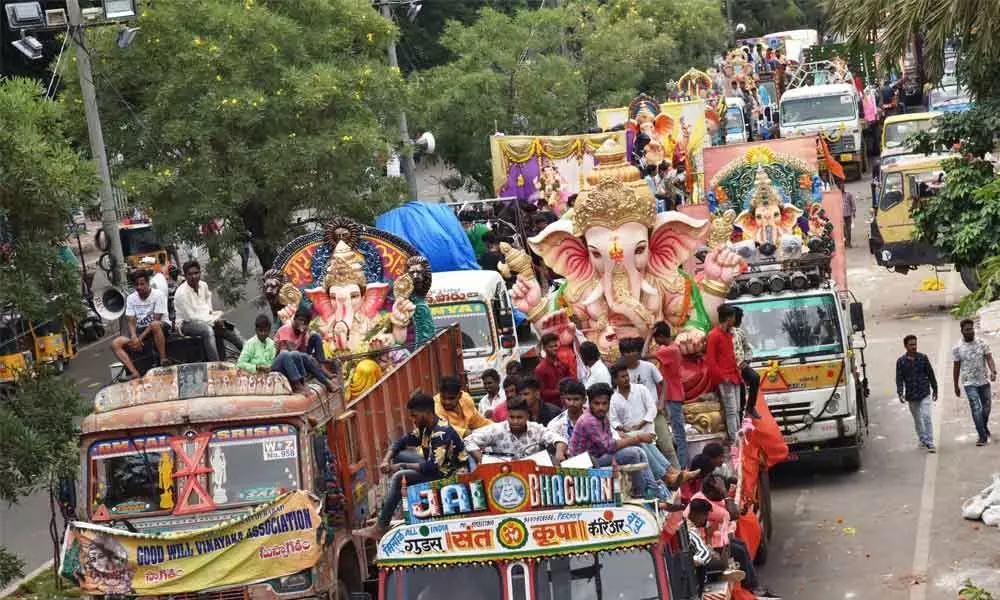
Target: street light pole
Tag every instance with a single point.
(406, 155)
(109, 213)
(732, 27)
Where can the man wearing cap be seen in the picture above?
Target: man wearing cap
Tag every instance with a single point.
(195, 317)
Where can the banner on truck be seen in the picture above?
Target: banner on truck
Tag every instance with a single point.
(277, 539)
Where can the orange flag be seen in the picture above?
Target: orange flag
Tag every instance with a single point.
(831, 163)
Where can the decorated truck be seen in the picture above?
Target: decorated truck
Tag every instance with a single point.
(206, 481)
(518, 530)
(798, 315)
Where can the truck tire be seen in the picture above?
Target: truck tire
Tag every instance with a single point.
(852, 461)
(970, 278)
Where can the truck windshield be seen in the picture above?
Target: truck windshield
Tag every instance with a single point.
(140, 240)
(476, 582)
(787, 327)
(474, 321)
(131, 476)
(819, 108)
(896, 133)
(599, 576)
(253, 464)
(734, 120)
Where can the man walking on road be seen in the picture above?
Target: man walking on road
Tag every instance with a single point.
(972, 357)
(917, 387)
(850, 210)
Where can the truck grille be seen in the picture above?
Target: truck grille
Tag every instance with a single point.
(791, 413)
(230, 594)
(844, 144)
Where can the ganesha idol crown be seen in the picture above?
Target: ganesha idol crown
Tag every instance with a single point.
(345, 267)
(611, 204)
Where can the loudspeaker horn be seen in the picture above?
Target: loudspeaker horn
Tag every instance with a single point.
(110, 305)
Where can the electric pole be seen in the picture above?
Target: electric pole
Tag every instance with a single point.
(406, 154)
(109, 213)
(732, 27)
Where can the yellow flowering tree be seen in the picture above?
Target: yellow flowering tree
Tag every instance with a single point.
(260, 112)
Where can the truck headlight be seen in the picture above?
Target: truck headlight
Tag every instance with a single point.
(833, 406)
(292, 583)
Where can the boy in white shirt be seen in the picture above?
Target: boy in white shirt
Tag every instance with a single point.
(494, 393)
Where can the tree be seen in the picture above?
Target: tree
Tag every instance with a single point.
(545, 71)
(258, 112)
(970, 24)
(771, 16)
(42, 179)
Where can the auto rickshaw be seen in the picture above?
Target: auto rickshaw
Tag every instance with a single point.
(24, 344)
(15, 358)
(139, 240)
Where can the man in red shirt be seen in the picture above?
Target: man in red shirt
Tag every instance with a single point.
(668, 354)
(550, 371)
(721, 360)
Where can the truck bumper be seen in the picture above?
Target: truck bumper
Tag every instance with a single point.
(905, 254)
(824, 435)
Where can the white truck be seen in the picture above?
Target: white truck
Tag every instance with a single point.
(831, 110)
(480, 303)
(808, 340)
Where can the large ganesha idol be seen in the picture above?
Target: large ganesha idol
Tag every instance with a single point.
(361, 285)
(622, 265)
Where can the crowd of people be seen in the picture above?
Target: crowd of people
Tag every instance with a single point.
(629, 413)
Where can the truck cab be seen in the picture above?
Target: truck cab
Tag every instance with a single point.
(480, 303)
(808, 344)
(897, 128)
(832, 111)
(904, 180)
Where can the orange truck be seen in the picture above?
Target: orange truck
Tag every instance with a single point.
(204, 481)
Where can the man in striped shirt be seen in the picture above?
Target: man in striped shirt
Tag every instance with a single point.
(697, 519)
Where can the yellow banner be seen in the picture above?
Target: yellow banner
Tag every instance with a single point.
(279, 538)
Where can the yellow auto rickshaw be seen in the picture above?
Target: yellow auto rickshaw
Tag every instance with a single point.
(25, 344)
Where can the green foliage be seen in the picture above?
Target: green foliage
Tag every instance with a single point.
(11, 567)
(771, 16)
(545, 71)
(970, 591)
(257, 112)
(972, 23)
(42, 179)
(36, 443)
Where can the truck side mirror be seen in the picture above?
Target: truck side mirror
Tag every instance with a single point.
(504, 316)
(857, 316)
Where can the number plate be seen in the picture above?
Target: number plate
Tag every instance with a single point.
(844, 157)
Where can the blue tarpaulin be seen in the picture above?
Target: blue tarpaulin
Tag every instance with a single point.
(434, 231)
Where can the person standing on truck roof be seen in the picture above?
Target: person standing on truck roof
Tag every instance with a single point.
(592, 434)
(494, 393)
(751, 380)
(442, 451)
(550, 370)
(668, 354)
(917, 387)
(596, 371)
(972, 357)
(516, 438)
(644, 373)
(146, 314)
(456, 406)
(721, 360)
(195, 317)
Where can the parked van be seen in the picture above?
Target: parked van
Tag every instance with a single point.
(480, 303)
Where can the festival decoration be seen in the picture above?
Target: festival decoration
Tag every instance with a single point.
(273, 540)
(612, 295)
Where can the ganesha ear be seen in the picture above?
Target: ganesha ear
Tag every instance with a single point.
(674, 240)
(563, 252)
(790, 215)
(663, 125)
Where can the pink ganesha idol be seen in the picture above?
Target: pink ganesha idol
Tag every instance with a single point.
(623, 268)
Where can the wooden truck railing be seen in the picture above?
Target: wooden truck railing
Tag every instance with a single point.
(372, 421)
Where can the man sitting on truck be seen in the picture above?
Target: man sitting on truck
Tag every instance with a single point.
(442, 455)
(593, 435)
(260, 354)
(146, 313)
(195, 317)
(456, 406)
(516, 438)
(574, 398)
